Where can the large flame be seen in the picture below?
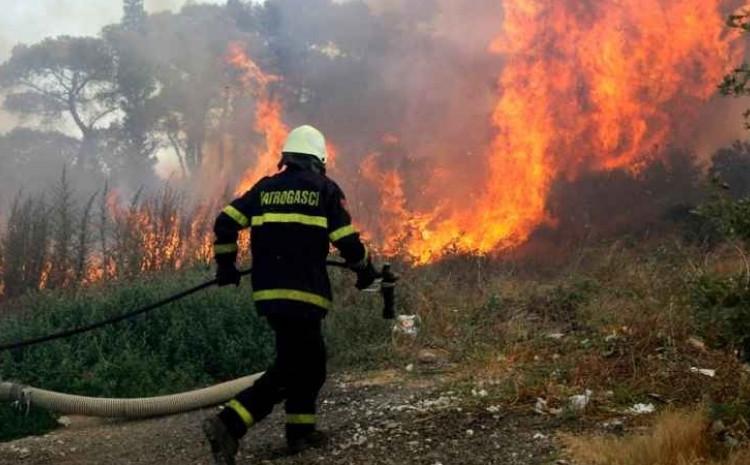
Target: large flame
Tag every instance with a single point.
(268, 115)
(585, 86)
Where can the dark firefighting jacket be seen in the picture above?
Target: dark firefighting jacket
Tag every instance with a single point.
(294, 216)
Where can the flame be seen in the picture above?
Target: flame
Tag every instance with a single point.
(585, 86)
(392, 204)
(268, 115)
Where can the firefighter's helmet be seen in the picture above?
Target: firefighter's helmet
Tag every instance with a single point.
(308, 141)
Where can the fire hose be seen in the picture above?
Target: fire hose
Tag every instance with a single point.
(26, 396)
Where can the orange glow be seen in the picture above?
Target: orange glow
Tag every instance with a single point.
(268, 116)
(592, 86)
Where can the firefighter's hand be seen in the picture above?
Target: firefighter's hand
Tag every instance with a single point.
(228, 274)
(366, 275)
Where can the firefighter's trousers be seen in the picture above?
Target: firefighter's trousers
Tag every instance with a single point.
(295, 377)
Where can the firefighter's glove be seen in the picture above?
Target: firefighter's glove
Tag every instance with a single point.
(366, 275)
(228, 274)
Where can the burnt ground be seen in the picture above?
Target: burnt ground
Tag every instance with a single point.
(379, 418)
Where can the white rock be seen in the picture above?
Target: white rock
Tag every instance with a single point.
(703, 371)
(581, 401)
(642, 409)
(540, 406)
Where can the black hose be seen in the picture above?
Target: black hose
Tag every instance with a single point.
(126, 316)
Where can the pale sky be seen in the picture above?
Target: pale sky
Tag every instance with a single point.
(29, 21)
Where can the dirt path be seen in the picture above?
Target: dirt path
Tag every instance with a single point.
(378, 420)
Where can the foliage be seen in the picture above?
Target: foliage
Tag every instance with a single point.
(737, 83)
(209, 337)
(728, 216)
(677, 438)
(731, 167)
(722, 310)
(63, 76)
(134, 15)
(65, 239)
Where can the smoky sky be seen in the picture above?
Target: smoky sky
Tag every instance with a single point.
(31, 21)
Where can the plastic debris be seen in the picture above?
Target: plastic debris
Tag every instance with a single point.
(540, 406)
(407, 324)
(479, 393)
(616, 426)
(580, 401)
(556, 336)
(642, 409)
(703, 371)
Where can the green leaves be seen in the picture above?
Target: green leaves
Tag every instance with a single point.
(721, 306)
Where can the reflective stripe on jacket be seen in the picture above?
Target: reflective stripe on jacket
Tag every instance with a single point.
(295, 215)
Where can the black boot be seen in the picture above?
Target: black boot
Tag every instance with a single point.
(312, 440)
(224, 446)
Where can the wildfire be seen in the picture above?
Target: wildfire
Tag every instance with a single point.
(268, 115)
(585, 86)
(593, 86)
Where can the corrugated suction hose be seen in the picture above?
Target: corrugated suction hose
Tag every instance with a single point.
(125, 408)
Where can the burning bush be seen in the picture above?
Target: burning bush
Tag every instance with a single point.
(63, 239)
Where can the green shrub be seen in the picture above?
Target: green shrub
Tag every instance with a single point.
(721, 306)
(209, 337)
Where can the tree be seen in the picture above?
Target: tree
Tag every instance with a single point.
(69, 76)
(731, 167)
(135, 136)
(191, 75)
(134, 15)
(737, 83)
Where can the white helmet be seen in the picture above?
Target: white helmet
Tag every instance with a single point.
(307, 140)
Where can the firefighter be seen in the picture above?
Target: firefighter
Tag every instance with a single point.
(294, 216)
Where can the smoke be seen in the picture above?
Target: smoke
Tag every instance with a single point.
(459, 119)
(492, 115)
(409, 81)
(720, 125)
(29, 22)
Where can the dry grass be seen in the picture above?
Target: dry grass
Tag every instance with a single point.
(677, 438)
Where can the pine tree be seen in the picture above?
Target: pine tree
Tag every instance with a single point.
(134, 15)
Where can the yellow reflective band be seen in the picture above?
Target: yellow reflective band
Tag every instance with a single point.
(240, 410)
(237, 216)
(220, 249)
(291, 294)
(300, 419)
(319, 221)
(341, 233)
